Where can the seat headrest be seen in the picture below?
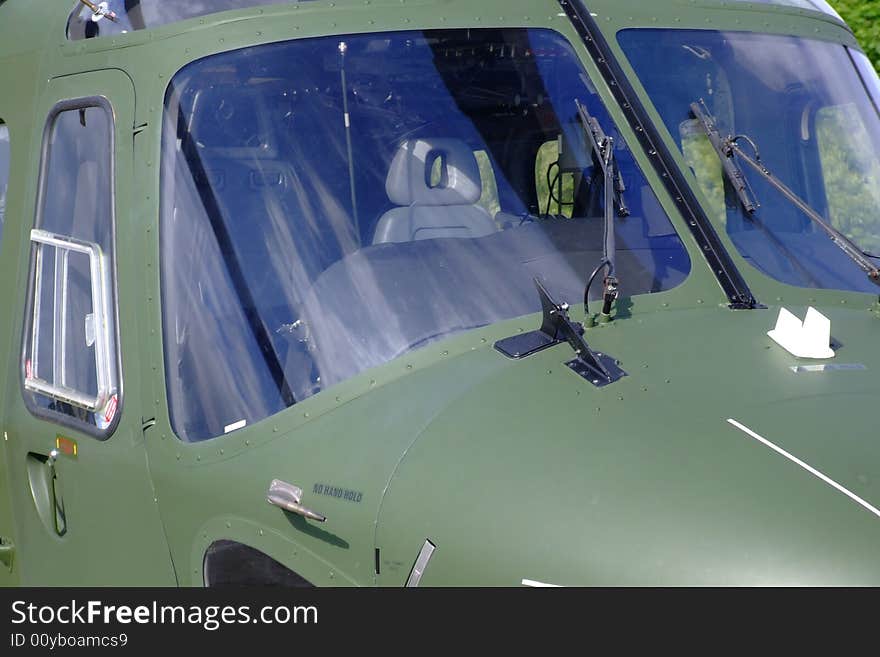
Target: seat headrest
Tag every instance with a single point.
(409, 178)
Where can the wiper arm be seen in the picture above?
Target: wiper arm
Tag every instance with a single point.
(728, 147)
(732, 170)
(602, 146)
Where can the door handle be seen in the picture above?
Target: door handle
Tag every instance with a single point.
(46, 491)
(7, 552)
(289, 497)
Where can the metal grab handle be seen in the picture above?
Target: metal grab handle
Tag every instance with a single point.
(7, 552)
(289, 497)
(57, 495)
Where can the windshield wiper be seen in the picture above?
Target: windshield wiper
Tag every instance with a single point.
(602, 147)
(728, 147)
(732, 170)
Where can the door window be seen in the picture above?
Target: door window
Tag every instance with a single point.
(70, 361)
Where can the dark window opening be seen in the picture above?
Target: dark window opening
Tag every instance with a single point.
(228, 563)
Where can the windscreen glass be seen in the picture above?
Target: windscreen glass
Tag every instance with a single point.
(332, 204)
(805, 109)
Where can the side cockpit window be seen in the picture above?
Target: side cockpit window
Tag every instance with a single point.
(851, 173)
(4, 173)
(70, 360)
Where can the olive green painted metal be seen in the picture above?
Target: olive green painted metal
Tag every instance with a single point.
(514, 470)
(108, 480)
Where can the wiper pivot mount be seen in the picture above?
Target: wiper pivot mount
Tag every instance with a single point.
(557, 327)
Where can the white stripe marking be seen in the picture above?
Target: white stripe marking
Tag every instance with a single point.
(813, 471)
(539, 585)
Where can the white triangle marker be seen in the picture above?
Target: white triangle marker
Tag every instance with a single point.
(808, 339)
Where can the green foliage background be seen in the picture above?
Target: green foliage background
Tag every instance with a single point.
(863, 17)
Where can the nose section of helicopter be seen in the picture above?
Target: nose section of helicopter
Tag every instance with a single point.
(677, 473)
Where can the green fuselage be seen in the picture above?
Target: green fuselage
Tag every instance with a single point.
(514, 469)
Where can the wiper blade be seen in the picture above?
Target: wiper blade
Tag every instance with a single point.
(728, 147)
(602, 146)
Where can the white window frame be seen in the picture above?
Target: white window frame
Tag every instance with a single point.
(58, 389)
